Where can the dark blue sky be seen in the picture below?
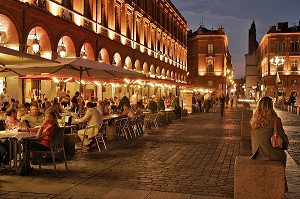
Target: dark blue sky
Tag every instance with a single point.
(236, 17)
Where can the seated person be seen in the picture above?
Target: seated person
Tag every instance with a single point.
(139, 108)
(11, 121)
(5, 106)
(127, 111)
(44, 132)
(102, 108)
(91, 117)
(21, 112)
(34, 118)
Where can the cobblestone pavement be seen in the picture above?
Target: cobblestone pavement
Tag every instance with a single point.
(193, 157)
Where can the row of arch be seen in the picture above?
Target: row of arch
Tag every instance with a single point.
(10, 37)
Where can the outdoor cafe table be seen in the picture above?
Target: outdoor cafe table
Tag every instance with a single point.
(111, 131)
(15, 136)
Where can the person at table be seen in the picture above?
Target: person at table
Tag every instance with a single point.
(34, 118)
(11, 121)
(5, 106)
(127, 111)
(44, 132)
(139, 108)
(21, 112)
(102, 108)
(91, 117)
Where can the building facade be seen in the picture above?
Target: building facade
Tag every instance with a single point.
(209, 59)
(149, 37)
(282, 78)
(251, 65)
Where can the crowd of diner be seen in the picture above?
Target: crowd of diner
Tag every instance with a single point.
(40, 115)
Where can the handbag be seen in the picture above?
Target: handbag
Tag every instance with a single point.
(276, 140)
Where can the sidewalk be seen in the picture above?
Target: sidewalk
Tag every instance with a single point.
(191, 158)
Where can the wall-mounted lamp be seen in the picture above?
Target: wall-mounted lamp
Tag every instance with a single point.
(62, 52)
(114, 61)
(35, 43)
(83, 52)
(100, 59)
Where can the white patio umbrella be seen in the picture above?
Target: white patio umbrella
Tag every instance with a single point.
(86, 68)
(16, 63)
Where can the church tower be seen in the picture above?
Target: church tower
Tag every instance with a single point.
(253, 44)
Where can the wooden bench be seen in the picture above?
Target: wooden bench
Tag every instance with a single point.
(256, 179)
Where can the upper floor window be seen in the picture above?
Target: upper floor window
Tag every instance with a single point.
(294, 64)
(280, 46)
(294, 82)
(294, 47)
(210, 48)
(210, 66)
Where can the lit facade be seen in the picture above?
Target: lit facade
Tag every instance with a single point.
(209, 59)
(251, 65)
(281, 41)
(146, 36)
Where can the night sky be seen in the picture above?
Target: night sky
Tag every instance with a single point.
(236, 17)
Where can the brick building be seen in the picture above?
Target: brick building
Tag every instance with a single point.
(282, 42)
(146, 36)
(209, 59)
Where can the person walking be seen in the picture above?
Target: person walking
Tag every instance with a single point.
(222, 100)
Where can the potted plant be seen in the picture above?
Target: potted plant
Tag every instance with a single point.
(160, 104)
(175, 102)
(152, 106)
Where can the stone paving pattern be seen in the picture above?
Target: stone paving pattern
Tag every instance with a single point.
(191, 158)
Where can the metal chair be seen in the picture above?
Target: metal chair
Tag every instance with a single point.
(99, 138)
(151, 118)
(56, 146)
(122, 126)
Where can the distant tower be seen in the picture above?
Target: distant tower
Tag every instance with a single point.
(253, 44)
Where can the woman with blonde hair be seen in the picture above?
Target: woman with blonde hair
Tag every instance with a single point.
(262, 123)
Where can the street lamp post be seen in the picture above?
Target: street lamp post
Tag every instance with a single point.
(277, 62)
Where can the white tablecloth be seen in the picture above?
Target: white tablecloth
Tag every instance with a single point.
(16, 134)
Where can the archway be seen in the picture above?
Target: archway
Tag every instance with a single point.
(87, 51)
(67, 44)
(103, 56)
(145, 68)
(8, 33)
(38, 42)
(128, 63)
(137, 65)
(117, 60)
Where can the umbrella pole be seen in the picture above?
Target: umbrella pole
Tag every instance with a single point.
(80, 90)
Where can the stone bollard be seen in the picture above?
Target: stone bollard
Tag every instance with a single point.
(245, 125)
(258, 179)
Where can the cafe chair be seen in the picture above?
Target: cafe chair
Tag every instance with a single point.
(122, 126)
(99, 138)
(56, 146)
(151, 118)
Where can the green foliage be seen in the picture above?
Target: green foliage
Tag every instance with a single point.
(152, 106)
(123, 101)
(194, 100)
(160, 104)
(175, 102)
